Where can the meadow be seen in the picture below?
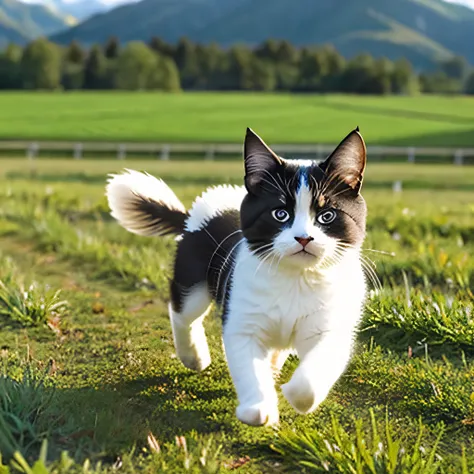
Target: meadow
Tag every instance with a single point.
(218, 117)
(86, 353)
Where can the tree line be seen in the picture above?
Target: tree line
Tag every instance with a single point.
(272, 66)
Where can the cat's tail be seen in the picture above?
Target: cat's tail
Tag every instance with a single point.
(145, 205)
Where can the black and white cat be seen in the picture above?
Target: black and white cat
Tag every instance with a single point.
(281, 255)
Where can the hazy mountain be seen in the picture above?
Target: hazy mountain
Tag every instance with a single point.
(421, 30)
(169, 19)
(20, 22)
(80, 9)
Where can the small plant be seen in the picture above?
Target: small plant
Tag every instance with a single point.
(30, 306)
(338, 450)
(22, 403)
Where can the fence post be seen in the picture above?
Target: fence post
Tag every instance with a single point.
(78, 151)
(459, 158)
(411, 155)
(210, 153)
(121, 152)
(319, 152)
(165, 152)
(32, 151)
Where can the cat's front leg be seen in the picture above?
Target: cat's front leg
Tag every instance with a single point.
(323, 358)
(250, 366)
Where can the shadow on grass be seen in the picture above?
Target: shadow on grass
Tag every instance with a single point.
(117, 418)
(402, 113)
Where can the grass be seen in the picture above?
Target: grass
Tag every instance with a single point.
(106, 392)
(214, 117)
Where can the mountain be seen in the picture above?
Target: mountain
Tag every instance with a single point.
(421, 30)
(20, 22)
(80, 9)
(168, 19)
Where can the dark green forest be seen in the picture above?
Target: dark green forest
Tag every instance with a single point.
(271, 66)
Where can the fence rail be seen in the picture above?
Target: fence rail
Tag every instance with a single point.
(210, 150)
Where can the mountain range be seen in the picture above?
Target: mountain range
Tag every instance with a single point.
(20, 22)
(423, 31)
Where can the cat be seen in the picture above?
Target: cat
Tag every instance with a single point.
(280, 255)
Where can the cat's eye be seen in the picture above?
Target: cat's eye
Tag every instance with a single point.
(280, 215)
(327, 217)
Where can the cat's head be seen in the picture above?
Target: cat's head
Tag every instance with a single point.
(301, 213)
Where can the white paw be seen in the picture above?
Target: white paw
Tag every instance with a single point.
(301, 395)
(259, 414)
(194, 359)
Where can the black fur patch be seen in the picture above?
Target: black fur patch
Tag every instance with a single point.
(158, 219)
(207, 256)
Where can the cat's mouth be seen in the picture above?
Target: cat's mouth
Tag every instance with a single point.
(304, 253)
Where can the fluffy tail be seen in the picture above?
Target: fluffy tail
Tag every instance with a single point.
(145, 205)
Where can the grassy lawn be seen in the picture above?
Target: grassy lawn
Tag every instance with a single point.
(214, 117)
(97, 376)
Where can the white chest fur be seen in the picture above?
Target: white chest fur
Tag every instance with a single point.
(273, 301)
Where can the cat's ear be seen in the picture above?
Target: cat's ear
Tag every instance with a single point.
(260, 160)
(346, 165)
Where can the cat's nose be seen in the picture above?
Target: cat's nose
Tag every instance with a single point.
(304, 241)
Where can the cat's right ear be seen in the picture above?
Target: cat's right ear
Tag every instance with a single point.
(260, 161)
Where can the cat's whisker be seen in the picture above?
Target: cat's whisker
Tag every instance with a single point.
(364, 249)
(263, 260)
(226, 260)
(368, 266)
(276, 182)
(220, 246)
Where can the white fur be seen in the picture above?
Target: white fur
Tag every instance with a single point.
(212, 202)
(123, 189)
(289, 302)
(313, 313)
(188, 330)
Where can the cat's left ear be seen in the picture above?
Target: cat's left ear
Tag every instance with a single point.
(260, 160)
(346, 165)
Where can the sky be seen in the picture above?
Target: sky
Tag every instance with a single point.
(469, 3)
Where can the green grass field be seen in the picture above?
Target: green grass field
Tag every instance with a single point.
(97, 377)
(213, 117)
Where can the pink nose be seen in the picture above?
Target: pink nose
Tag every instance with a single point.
(304, 241)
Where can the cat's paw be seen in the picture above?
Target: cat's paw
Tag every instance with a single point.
(196, 360)
(301, 395)
(259, 414)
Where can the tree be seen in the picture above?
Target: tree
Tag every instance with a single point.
(469, 87)
(75, 54)
(41, 65)
(268, 50)
(187, 62)
(166, 76)
(161, 47)
(404, 80)
(95, 69)
(314, 67)
(73, 67)
(456, 67)
(138, 67)
(112, 48)
(439, 83)
(10, 70)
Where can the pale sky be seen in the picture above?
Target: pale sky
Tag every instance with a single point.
(469, 3)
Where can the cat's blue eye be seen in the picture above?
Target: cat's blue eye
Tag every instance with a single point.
(280, 215)
(327, 217)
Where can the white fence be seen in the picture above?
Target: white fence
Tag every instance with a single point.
(209, 151)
